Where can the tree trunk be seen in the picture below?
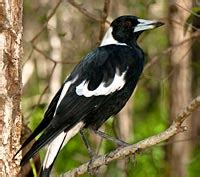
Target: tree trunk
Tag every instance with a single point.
(196, 78)
(125, 121)
(125, 127)
(10, 85)
(180, 85)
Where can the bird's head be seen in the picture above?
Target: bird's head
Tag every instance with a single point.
(126, 30)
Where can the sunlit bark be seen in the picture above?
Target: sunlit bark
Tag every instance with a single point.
(10, 85)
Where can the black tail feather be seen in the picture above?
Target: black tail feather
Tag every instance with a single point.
(46, 171)
(44, 123)
(48, 136)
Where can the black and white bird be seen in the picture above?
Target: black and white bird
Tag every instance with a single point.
(97, 88)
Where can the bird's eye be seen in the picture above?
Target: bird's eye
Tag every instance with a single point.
(127, 24)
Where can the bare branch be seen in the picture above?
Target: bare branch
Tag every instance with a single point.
(47, 20)
(169, 49)
(44, 91)
(102, 18)
(84, 11)
(51, 59)
(120, 153)
(188, 10)
(105, 13)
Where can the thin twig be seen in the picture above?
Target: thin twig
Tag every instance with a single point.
(190, 11)
(44, 91)
(84, 11)
(51, 59)
(28, 57)
(47, 20)
(186, 24)
(169, 49)
(175, 128)
(105, 13)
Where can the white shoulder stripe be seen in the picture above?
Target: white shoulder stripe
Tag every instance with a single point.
(117, 83)
(64, 91)
(108, 39)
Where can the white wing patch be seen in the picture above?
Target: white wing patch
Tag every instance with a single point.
(55, 145)
(108, 39)
(117, 84)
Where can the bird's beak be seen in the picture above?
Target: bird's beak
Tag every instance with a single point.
(144, 25)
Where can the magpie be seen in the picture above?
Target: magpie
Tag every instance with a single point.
(97, 88)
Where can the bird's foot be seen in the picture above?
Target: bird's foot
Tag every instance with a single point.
(93, 171)
(110, 138)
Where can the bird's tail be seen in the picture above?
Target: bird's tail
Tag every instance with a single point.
(55, 146)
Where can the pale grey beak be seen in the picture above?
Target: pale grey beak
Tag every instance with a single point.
(147, 24)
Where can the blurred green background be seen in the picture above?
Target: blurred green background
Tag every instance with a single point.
(68, 37)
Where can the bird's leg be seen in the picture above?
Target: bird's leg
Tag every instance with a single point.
(110, 138)
(92, 154)
(89, 149)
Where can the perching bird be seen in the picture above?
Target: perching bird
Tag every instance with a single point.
(97, 88)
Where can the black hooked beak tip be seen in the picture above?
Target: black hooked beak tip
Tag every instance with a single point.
(157, 24)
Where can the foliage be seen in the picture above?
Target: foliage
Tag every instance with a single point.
(78, 35)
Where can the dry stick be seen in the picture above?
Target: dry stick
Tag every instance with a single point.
(84, 11)
(186, 24)
(175, 128)
(43, 92)
(51, 59)
(188, 10)
(105, 13)
(28, 58)
(47, 20)
(169, 49)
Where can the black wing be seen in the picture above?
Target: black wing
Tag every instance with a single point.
(98, 67)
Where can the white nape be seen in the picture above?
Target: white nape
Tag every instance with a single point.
(59, 141)
(117, 83)
(64, 91)
(108, 39)
(144, 25)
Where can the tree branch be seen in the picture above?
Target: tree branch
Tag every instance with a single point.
(84, 11)
(105, 13)
(188, 10)
(169, 49)
(47, 20)
(175, 128)
(51, 59)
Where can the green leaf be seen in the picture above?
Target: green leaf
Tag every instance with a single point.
(190, 20)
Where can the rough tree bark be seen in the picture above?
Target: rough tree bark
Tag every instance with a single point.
(10, 85)
(180, 85)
